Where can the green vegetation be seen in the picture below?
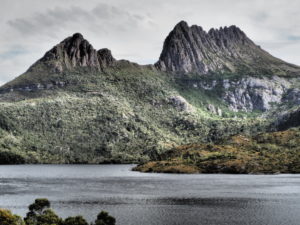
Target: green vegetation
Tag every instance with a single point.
(41, 214)
(7, 218)
(79, 105)
(104, 218)
(78, 220)
(120, 115)
(275, 152)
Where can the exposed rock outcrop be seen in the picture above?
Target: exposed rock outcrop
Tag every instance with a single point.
(74, 52)
(180, 103)
(249, 93)
(193, 50)
(105, 58)
(292, 96)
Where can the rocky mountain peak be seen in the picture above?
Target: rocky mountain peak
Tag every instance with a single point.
(73, 52)
(181, 26)
(190, 49)
(78, 36)
(69, 55)
(231, 31)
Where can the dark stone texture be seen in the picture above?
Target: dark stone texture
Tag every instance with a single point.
(193, 50)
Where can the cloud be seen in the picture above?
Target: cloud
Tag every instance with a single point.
(102, 16)
(51, 21)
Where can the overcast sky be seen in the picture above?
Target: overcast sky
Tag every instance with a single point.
(135, 29)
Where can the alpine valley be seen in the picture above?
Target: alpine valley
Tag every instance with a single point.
(214, 102)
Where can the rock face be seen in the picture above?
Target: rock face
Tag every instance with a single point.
(292, 96)
(193, 50)
(249, 93)
(74, 52)
(105, 58)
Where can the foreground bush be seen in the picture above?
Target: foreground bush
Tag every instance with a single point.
(104, 218)
(40, 213)
(7, 218)
(77, 220)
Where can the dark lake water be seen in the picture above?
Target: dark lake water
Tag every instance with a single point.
(152, 199)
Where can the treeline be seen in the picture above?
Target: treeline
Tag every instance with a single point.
(40, 213)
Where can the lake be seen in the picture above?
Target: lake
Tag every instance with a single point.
(152, 199)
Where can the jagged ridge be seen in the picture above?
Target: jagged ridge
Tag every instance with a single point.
(75, 51)
(193, 50)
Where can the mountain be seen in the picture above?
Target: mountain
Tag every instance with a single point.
(81, 105)
(72, 53)
(225, 50)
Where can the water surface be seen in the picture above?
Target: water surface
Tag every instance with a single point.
(152, 199)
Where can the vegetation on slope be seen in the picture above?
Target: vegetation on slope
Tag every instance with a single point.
(276, 152)
(123, 114)
(79, 105)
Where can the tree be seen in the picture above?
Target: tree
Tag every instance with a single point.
(78, 220)
(41, 214)
(104, 218)
(7, 218)
(39, 205)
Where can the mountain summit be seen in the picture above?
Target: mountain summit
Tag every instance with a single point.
(190, 49)
(72, 54)
(75, 51)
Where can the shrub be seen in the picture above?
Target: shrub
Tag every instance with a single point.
(41, 214)
(104, 218)
(7, 157)
(77, 220)
(7, 218)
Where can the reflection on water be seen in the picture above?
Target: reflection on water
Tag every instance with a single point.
(153, 199)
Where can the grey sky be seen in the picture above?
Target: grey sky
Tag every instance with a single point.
(135, 29)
